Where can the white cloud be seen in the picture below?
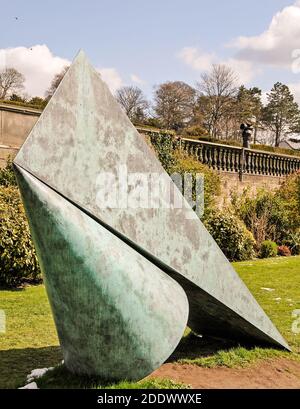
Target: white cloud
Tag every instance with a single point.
(274, 45)
(39, 65)
(36, 63)
(264, 97)
(199, 61)
(196, 59)
(244, 70)
(295, 88)
(135, 78)
(111, 77)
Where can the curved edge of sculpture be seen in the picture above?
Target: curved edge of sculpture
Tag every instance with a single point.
(117, 315)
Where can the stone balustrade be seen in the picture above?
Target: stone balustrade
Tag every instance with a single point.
(240, 160)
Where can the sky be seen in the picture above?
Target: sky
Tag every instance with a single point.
(145, 43)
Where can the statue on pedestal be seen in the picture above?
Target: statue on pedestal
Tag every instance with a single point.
(247, 130)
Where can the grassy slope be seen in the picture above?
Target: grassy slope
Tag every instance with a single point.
(282, 275)
(31, 342)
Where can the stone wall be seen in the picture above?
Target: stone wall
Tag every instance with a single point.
(231, 183)
(15, 124)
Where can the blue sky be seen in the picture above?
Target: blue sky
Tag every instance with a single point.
(148, 42)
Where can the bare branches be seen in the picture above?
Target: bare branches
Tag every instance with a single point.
(133, 101)
(219, 87)
(55, 82)
(11, 81)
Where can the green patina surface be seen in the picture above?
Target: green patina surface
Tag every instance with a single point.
(117, 315)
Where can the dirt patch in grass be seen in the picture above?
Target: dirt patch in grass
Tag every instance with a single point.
(278, 373)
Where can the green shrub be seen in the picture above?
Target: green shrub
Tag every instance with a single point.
(187, 164)
(232, 236)
(18, 261)
(289, 194)
(7, 176)
(293, 242)
(194, 130)
(164, 146)
(265, 215)
(26, 104)
(268, 249)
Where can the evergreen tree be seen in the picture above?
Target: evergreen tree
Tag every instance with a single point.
(282, 113)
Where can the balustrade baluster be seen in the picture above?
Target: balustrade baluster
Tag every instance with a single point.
(205, 159)
(235, 160)
(225, 159)
(284, 166)
(243, 162)
(218, 161)
(213, 157)
(231, 161)
(263, 164)
(255, 159)
(250, 164)
(259, 163)
(280, 166)
(201, 153)
(277, 166)
(290, 167)
(209, 154)
(267, 164)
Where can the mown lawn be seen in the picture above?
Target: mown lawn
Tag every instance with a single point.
(282, 276)
(31, 342)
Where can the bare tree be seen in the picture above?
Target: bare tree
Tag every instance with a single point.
(55, 82)
(218, 87)
(133, 101)
(174, 104)
(11, 81)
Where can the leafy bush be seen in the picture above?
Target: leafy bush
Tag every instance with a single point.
(195, 130)
(265, 215)
(275, 215)
(187, 164)
(232, 236)
(175, 160)
(26, 104)
(268, 249)
(7, 176)
(18, 260)
(164, 146)
(284, 251)
(293, 242)
(289, 194)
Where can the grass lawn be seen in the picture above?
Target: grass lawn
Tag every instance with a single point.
(31, 342)
(282, 275)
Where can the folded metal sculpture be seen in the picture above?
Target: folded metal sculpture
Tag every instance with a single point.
(115, 312)
(152, 255)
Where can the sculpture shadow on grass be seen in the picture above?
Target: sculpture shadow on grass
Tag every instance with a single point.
(192, 347)
(16, 364)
